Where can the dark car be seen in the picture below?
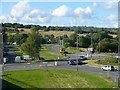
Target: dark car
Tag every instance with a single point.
(74, 62)
(82, 57)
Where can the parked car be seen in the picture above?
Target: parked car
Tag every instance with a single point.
(5, 60)
(41, 59)
(74, 62)
(27, 58)
(82, 57)
(108, 67)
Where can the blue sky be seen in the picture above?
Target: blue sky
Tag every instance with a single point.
(94, 13)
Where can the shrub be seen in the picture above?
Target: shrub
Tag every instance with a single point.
(108, 60)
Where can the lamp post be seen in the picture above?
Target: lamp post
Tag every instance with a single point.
(91, 45)
(1, 56)
(119, 44)
(99, 42)
(77, 48)
(118, 57)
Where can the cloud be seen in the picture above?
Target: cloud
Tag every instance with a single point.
(110, 21)
(20, 8)
(112, 18)
(36, 16)
(94, 4)
(83, 14)
(110, 4)
(63, 10)
(3, 18)
(37, 12)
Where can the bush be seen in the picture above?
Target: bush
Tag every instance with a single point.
(109, 60)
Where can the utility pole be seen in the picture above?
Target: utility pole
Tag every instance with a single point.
(91, 45)
(77, 48)
(99, 42)
(1, 56)
(118, 45)
(118, 57)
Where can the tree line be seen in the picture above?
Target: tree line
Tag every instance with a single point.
(101, 40)
(79, 29)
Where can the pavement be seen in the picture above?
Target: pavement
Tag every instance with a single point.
(1, 70)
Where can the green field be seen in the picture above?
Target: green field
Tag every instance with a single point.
(56, 33)
(49, 78)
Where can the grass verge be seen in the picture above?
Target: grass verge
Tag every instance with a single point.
(50, 78)
(93, 63)
(74, 50)
(50, 55)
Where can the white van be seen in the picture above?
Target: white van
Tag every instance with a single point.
(4, 60)
(17, 59)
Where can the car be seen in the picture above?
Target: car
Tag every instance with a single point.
(5, 60)
(18, 59)
(74, 62)
(108, 68)
(27, 58)
(82, 57)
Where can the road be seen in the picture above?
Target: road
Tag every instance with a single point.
(55, 48)
(62, 65)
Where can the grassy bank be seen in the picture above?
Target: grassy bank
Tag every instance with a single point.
(55, 79)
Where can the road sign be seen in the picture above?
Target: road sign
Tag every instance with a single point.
(90, 49)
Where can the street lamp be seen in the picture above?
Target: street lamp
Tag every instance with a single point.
(1, 57)
(91, 45)
(77, 48)
(99, 42)
(118, 57)
(118, 44)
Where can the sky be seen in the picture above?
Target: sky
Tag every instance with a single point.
(60, 13)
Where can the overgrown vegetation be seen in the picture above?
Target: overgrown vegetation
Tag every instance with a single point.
(108, 60)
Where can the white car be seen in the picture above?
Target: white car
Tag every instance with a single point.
(108, 67)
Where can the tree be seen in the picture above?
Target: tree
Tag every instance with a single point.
(105, 45)
(114, 47)
(10, 38)
(66, 41)
(20, 38)
(33, 44)
(73, 39)
(5, 37)
(84, 42)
